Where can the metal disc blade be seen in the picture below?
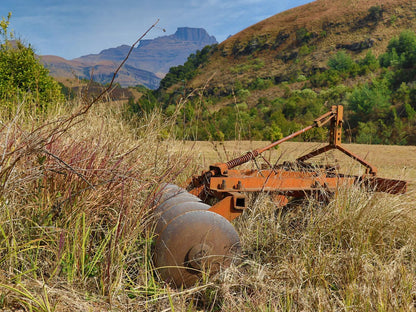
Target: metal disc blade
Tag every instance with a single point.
(167, 191)
(174, 200)
(173, 212)
(195, 243)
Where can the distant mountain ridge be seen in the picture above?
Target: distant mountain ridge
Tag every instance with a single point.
(147, 64)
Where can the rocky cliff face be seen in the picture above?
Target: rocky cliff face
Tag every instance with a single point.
(148, 63)
(194, 34)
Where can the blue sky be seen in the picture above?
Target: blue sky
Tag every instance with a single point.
(74, 28)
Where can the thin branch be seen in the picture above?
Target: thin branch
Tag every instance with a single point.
(69, 167)
(118, 69)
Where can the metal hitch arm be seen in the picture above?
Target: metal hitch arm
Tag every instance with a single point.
(334, 114)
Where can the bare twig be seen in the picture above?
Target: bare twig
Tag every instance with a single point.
(69, 167)
(97, 98)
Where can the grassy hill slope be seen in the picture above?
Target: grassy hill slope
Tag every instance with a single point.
(302, 39)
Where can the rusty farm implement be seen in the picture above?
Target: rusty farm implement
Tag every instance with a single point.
(193, 230)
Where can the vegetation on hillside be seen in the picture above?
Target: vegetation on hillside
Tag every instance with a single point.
(378, 93)
(278, 83)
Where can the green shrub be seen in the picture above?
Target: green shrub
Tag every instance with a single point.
(401, 51)
(368, 63)
(370, 99)
(341, 62)
(23, 79)
(303, 35)
(243, 94)
(306, 49)
(242, 106)
(375, 13)
(261, 84)
(273, 132)
(367, 133)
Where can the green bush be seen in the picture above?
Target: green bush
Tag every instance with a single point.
(370, 99)
(375, 13)
(401, 51)
(261, 84)
(367, 133)
(23, 79)
(273, 132)
(243, 94)
(368, 63)
(304, 36)
(341, 62)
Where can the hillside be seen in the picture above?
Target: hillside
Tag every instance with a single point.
(273, 77)
(323, 26)
(148, 63)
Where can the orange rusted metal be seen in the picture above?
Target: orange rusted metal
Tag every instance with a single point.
(230, 207)
(280, 200)
(297, 179)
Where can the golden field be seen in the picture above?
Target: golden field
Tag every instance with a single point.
(76, 224)
(395, 162)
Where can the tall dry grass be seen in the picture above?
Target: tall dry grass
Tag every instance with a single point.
(75, 204)
(355, 254)
(75, 229)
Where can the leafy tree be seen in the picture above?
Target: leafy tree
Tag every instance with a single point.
(368, 63)
(401, 51)
(367, 133)
(370, 100)
(341, 62)
(273, 132)
(22, 77)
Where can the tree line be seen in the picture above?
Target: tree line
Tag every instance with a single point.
(381, 110)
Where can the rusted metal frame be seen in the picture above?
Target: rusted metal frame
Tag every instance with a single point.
(335, 142)
(389, 186)
(325, 118)
(270, 172)
(370, 168)
(253, 154)
(230, 206)
(225, 184)
(283, 184)
(336, 126)
(222, 168)
(315, 153)
(232, 203)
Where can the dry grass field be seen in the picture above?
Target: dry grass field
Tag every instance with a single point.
(76, 234)
(395, 162)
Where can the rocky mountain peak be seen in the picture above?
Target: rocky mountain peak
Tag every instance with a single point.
(194, 34)
(147, 64)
